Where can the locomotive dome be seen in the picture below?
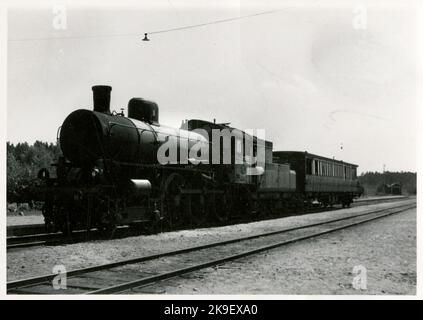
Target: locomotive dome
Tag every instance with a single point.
(143, 110)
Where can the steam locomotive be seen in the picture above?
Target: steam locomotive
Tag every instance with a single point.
(110, 173)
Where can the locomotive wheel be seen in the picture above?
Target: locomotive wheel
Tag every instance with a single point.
(199, 215)
(222, 207)
(172, 207)
(154, 225)
(247, 205)
(105, 213)
(107, 230)
(266, 208)
(63, 222)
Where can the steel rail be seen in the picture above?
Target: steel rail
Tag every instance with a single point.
(57, 238)
(167, 275)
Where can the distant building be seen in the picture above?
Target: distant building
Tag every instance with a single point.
(393, 188)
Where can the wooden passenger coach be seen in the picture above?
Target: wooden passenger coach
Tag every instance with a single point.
(322, 179)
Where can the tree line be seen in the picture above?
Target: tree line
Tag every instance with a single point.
(23, 163)
(374, 182)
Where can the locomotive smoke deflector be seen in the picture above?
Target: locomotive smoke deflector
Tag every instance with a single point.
(101, 96)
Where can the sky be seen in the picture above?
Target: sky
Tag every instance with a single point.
(318, 77)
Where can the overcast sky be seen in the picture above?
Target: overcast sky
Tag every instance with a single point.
(306, 73)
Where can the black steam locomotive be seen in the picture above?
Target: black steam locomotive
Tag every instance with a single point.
(110, 173)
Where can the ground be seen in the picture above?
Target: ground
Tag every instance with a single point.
(28, 217)
(324, 265)
(385, 248)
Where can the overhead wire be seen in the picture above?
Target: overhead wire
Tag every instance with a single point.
(192, 26)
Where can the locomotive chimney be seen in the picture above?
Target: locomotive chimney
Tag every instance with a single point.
(101, 96)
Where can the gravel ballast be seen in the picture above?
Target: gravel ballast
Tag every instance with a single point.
(385, 250)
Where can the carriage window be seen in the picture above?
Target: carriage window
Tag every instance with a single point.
(239, 146)
(316, 167)
(308, 166)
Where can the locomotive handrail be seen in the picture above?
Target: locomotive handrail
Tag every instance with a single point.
(152, 130)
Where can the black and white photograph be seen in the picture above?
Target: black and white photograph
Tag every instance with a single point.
(211, 149)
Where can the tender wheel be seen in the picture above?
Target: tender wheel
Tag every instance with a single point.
(107, 230)
(198, 212)
(64, 222)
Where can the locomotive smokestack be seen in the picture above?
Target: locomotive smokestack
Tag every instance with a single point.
(101, 96)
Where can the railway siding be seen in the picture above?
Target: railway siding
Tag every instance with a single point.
(322, 265)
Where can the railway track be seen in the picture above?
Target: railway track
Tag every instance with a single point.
(59, 238)
(125, 276)
(38, 238)
(25, 229)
